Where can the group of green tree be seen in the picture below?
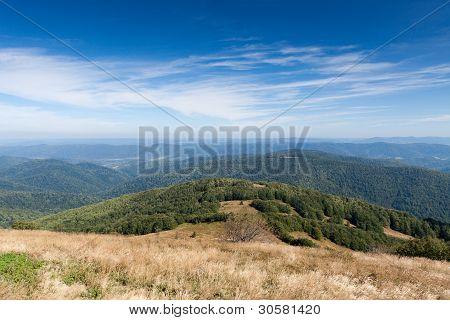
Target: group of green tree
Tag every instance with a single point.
(424, 193)
(286, 209)
(32, 188)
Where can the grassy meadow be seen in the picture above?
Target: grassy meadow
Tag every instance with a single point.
(196, 262)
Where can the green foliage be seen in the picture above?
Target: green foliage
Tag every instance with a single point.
(316, 233)
(270, 206)
(59, 176)
(18, 205)
(19, 268)
(426, 247)
(424, 193)
(32, 188)
(440, 228)
(24, 225)
(76, 273)
(9, 217)
(320, 215)
(93, 293)
(303, 242)
(144, 224)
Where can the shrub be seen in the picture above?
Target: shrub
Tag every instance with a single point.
(303, 242)
(427, 247)
(244, 227)
(270, 206)
(24, 225)
(316, 233)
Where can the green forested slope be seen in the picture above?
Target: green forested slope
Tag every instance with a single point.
(424, 193)
(45, 202)
(162, 209)
(60, 176)
(9, 216)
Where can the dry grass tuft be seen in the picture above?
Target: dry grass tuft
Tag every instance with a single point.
(396, 234)
(173, 265)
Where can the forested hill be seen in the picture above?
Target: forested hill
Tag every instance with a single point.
(32, 188)
(8, 162)
(383, 150)
(286, 208)
(22, 205)
(60, 176)
(424, 193)
(435, 156)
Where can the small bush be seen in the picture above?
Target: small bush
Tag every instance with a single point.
(427, 247)
(297, 241)
(93, 293)
(316, 233)
(24, 225)
(244, 226)
(270, 206)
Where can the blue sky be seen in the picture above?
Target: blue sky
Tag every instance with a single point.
(224, 63)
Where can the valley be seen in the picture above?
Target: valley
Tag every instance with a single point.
(349, 228)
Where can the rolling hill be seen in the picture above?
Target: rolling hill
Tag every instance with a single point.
(286, 208)
(425, 154)
(434, 156)
(8, 162)
(175, 265)
(424, 193)
(32, 188)
(59, 176)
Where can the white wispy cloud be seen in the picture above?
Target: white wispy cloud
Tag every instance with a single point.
(33, 120)
(250, 81)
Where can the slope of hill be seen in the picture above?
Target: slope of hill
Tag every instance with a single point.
(383, 150)
(8, 185)
(9, 216)
(174, 265)
(424, 193)
(44, 202)
(164, 209)
(426, 154)
(8, 162)
(60, 176)
(435, 156)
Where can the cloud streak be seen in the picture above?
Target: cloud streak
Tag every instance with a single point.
(240, 84)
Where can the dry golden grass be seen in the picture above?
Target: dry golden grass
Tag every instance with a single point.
(172, 265)
(235, 206)
(396, 234)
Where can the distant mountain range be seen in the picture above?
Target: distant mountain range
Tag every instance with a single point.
(432, 156)
(48, 185)
(432, 140)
